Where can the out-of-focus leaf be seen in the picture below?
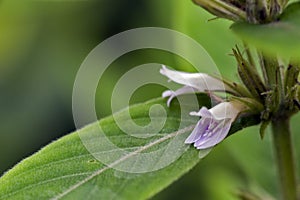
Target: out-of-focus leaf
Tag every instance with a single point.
(195, 22)
(280, 37)
(66, 170)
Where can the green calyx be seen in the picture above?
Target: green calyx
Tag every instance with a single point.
(276, 93)
(249, 76)
(291, 87)
(253, 106)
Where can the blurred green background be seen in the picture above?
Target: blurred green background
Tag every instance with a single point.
(44, 42)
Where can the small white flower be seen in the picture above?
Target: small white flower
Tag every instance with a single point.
(214, 124)
(193, 82)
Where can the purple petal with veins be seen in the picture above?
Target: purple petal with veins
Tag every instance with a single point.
(213, 126)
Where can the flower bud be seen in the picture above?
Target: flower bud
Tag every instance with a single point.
(249, 76)
(291, 86)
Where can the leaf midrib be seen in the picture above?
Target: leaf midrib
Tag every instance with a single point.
(98, 172)
(84, 155)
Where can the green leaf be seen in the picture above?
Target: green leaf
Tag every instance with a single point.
(65, 169)
(281, 37)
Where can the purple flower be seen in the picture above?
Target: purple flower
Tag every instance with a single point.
(214, 124)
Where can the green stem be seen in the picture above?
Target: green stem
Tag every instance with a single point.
(285, 158)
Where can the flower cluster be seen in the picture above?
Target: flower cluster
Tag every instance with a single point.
(215, 123)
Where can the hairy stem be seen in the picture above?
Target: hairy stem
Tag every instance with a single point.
(285, 158)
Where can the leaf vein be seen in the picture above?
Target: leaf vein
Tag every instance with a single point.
(100, 171)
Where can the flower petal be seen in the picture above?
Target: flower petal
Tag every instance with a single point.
(226, 110)
(172, 94)
(203, 112)
(215, 136)
(200, 81)
(198, 131)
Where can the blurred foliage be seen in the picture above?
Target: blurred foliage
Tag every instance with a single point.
(42, 45)
(272, 38)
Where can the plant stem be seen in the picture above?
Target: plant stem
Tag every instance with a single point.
(285, 158)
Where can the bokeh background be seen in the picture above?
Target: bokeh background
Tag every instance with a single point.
(44, 42)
